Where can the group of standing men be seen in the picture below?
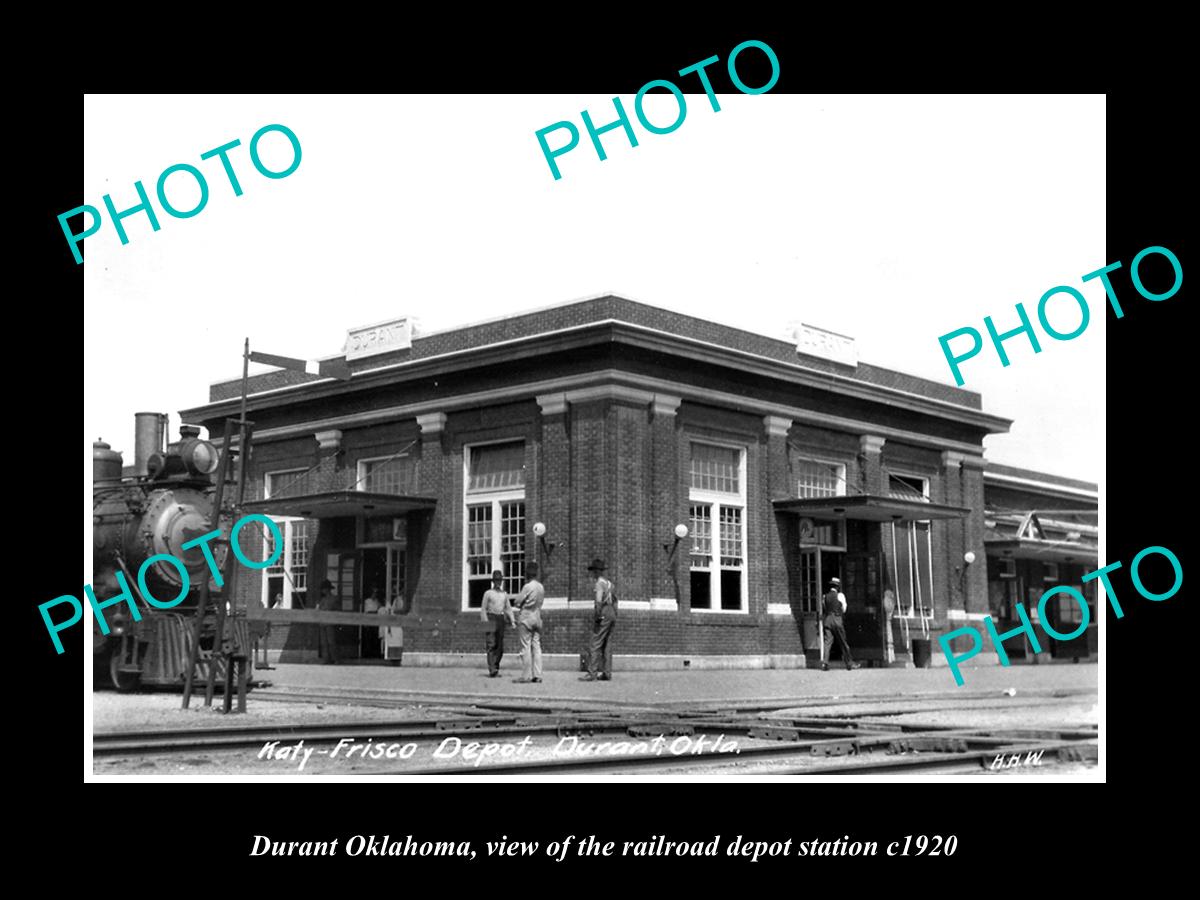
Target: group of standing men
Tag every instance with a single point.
(524, 613)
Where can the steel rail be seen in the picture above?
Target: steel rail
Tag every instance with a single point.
(869, 764)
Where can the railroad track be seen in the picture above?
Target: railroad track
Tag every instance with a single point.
(796, 744)
(863, 759)
(888, 704)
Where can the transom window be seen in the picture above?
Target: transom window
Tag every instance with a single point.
(496, 467)
(718, 528)
(820, 479)
(716, 469)
(387, 475)
(908, 487)
(494, 517)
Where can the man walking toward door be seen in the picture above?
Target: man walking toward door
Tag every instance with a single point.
(833, 608)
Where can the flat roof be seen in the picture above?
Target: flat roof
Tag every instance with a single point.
(611, 307)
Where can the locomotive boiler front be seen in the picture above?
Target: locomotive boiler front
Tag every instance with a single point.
(153, 516)
(165, 503)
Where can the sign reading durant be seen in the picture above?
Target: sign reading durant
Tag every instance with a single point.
(385, 337)
(825, 344)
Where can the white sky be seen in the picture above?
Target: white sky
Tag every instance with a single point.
(890, 219)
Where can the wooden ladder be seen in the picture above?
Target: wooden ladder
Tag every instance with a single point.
(231, 635)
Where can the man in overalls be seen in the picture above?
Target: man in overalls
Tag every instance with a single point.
(833, 607)
(600, 652)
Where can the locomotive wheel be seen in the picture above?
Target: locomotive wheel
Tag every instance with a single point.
(122, 681)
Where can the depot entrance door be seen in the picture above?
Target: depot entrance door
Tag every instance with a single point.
(839, 550)
(862, 584)
(817, 566)
(384, 579)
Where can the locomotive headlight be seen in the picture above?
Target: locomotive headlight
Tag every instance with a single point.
(200, 456)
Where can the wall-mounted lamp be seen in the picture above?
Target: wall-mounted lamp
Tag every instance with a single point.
(539, 532)
(968, 558)
(681, 532)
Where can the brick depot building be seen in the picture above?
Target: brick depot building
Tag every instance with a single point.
(612, 423)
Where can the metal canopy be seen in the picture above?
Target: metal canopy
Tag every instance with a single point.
(332, 504)
(1032, 548)
(871, 508)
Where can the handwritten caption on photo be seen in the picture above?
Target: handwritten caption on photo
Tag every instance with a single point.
(477, 752)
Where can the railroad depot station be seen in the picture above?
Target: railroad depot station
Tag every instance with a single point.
(616, 426)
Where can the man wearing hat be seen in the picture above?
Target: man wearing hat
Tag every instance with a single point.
(834, 605)
(528, 606)
(496, 612)
(327, 646)
(600, 655)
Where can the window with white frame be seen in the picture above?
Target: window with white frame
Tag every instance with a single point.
(387, 474)
(494, 517)
(285, 584)
(718, 528)
(820, 479)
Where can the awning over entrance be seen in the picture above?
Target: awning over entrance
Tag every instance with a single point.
(871, 508)
(331, 504)
(1033, 548)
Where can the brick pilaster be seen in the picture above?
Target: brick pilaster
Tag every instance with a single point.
(870, 458)
(778, 487)
(554, 507)
(972, 497)
(668, 508)
(437, 588)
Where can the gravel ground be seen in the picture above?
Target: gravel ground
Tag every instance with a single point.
(999, 713)
(132, 712)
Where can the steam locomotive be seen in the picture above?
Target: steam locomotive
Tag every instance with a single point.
(162, 504)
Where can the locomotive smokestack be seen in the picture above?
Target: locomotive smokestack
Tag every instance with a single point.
(149, 429)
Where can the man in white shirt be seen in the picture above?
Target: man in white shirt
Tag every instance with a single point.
(496, 613)
(834, 606)
(528, 605)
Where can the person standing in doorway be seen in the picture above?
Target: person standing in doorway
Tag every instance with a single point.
(368, 638)
(834, 607)
(600, 655)
(496, 612)
(528, 606)
(327, 648)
